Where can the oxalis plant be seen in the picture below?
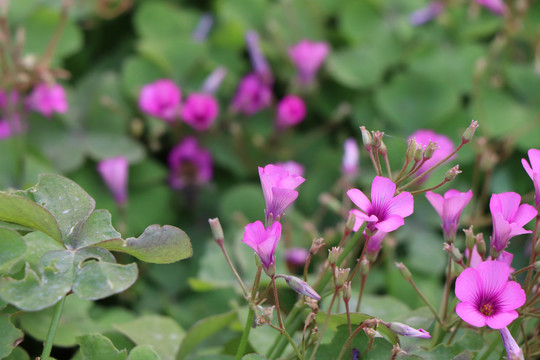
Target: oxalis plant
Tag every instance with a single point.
(55, 244)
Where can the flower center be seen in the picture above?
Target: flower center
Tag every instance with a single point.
(487, 309)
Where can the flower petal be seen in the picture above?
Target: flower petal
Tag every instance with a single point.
(359, 199)
(511, 297)
(468, 285)
(254, 234)
(506, 203)
(494, 276)
(436, 201)
(391, 223)
(402, 205)
(382, 192)
(524, 214)
(455, 204)
(281, 199)
(470, 314)
(501, 320)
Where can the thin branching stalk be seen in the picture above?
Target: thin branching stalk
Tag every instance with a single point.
(349, 340)
(362, 286)
(278, 310)
(238, 278)
(52, 329)
(426, 301)
(245, 334)
(336, 292)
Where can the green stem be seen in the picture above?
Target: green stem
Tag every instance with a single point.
(489, 350)
(52, 329)
(245, 335)
(289, 338)
(336, 292)
(426, 301)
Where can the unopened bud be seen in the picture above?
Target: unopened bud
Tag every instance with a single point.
(411, 149)
(469, 132)
(217, 230)
(364, 266)
(406, 330)
(377, 139)
(372, 333)
(418, 154)
(316, 245)
(347, 292)
(382, 149)
(469, 238)
(404, 271)
(351, 220)
(537, 265)
(341, 276)
(271, 270)
(333, 255)
(300, 286)
(452, 173)
(453, 252)
(480, 244)
(366, 138)
(430, 149)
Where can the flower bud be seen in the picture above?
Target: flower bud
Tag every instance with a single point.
(430, 149)
(366, 138)
(480, 244)
(411, 149)
(404, 271)
(453, 252)
(406, 330)
(316, 245)
(469, 132)
(418, 154)
(372, 333)
(364, 266)
(351, 220)
(452, 173)
(217, 230)
(300, 286)
(347, 292)
(333, 255)
(341, 276)
(377, 139)
(469, 238)
(537, 265)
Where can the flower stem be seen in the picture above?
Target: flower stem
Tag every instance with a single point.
(349, 340)
(245, 334)
(533, 253)
(362, 286)
(336, 292)
(427, 302)
(276, 299)
(52, 329)
(289, 338)
(233, 269)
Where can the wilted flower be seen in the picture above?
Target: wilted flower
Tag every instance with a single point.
(252, 95)
(427, 13)
(278, 187)
(48, 99)
(200, 111)
(264, 242)
(487, 297)
(449, 208)
(161, 99)
(496, 6)
(291, 111)
(444, 147)
(385, 211)
(533, 170)
(189, 164)
(308, 57)
(114, 172)
(351, 157)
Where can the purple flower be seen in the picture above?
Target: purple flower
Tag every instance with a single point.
(278, 187)
(300, 287)
(513, 351)
(496, 6)
(114, 172)
(189, 164)
(11, 125)
(508, 219)
(252, 95)
(385, 211)
(258, 61)
(47, 99)
(200, 34)
(374, 244)
(487, 297)
(308, 57)
(534, 172)
(213, 81)
(351, 158)
(449, 209)
(263, 241)
(292, 167)
(406, 330)
(296, 256)
(476, 259)
(200, 111)
(161, 99)
(427, 13)
(291, 111)
(444, 147)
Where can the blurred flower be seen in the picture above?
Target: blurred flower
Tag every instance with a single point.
(374, 244)
(10, 98)
(206, 21)
(252, 95)
(385, 212)
(47, 99)
(427, 13)
(406, 330)
(161, 99)
(487, 297)
(114, 172)
(351, 158)
(200, 111)
(296, 256)
(534, 172)
(449, 209)
(11, 125)
(292, 167)
(291, 111)
(496, 6)
(510, 345)
(508, 219)
(213, 81)
(189, 164)
(444, 147)
(308, 57)
(263, 241)
(258, 61)
(278, 187)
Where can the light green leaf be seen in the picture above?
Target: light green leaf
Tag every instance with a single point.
(18, 354)
(162, 333)
(98, 347)
(20, 210)
(13, 249)
(253, 357)
(156, 20)
(158, 244)
(40, 245)
(103, 145)
(95, 229)
(9, 335)
(98, 279)
(143, 352)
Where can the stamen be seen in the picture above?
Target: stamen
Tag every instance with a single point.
(487, 309)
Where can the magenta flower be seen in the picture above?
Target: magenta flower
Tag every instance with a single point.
(508, 219)
(252, 95)
(449, 209)
(200, 111)
(296, 256)
(308, 57)
(444, 147)
(161, 99)
(291, 111)
(114, 172)
(534, 172)
(374, 244)
(294, 168)
(48, 99)
(427, 13)
(278, 187)
(496, 6)
(263, 241)
(189, 164)
(487, 297)
(385, 211)
(351, 158)
(476, 259)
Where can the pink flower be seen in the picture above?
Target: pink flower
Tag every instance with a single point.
(496, 6)
(444, 144)
(449, 209)
(294, 168)
(476, 259)
(296, 256)
(278, 187)
(385, 211)
(374, 244)
(10, 98)
(47, 99)
(508, 219)
(263, 241)
(200, 111)
(161, 99)
(534, 172)
(114, 172)
(427, 13)
(291, 111)
(487, 297)
(189, 164)
(252, 95)
(351, 158)
(11, 125)
(513, 351)
(308, 57)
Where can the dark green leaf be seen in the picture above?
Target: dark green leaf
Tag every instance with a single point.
(9, 335)
(98, 279)
(96, 228)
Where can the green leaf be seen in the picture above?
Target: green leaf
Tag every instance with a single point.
(20, 210)
(381, 348)
(9, 335)
(143, 352)
(163, 333)
(98, 347)
(344, 67)
(18, 354)
(104, 145)
(13, 249)
(253, 357)
(233, 203)
(158, 244)
(96, 228)
(40, 245)
(156, 20)
(202, 330)
(98, 279)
